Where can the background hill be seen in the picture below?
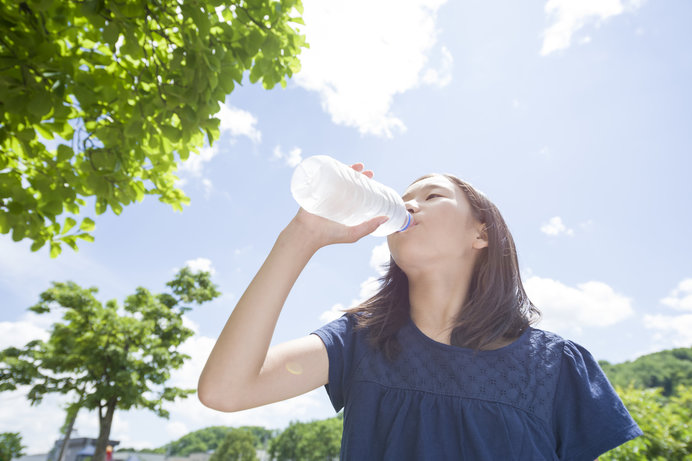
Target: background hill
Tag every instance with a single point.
(666, 370)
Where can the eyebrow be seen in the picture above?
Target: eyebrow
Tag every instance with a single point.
(422, 189)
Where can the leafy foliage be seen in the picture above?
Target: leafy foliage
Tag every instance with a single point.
(262, 435)
(208, 439)
(11, 446)
(200, 441)
(665, 421)
(238, 445)
(117, 88)
(112, 357)
(666, 369)
(313, 441)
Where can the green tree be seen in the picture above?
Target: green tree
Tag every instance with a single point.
(11, 446)
(120, 357)
(200, 441)
(210, 438)
(313, 441)
(665, 422)
(238, 445)
(665, 369)
(262, 435)
(101, 98)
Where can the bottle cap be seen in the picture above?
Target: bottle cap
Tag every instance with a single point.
(408, 223)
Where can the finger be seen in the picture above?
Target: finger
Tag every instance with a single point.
(359, 168)
(368, 227)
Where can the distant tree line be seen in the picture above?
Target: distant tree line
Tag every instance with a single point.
(666, 370)
(310, 441)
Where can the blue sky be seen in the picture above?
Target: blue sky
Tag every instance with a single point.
(572, 116)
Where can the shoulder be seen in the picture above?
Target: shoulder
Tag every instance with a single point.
(342, 332)
(571, 360)
(543, 339)
(552, 350)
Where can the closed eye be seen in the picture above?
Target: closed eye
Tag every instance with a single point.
(432, 196)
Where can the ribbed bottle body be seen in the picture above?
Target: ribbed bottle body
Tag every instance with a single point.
(328, 188)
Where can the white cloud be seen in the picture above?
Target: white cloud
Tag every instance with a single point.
(334, 313)
(363, 53)
(681, 297)
(671, 330)
(191, 324)
(38, 425)
(292, 159)
(195, 163)
(17, 334)
(379, 259)
(442, 76)
(234, 122)
(567, 309)
(368, 288)
(201, 264)
(177, 429)
(569, 16)
(555, 226)
(208, 186)
(238, 122)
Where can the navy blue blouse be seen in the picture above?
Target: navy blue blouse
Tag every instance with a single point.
(539, 398)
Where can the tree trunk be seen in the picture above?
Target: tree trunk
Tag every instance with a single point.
(104, 430)
(71, 416)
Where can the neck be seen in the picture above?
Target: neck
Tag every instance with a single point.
(436, 298)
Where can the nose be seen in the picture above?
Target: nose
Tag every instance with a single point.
(411, 206)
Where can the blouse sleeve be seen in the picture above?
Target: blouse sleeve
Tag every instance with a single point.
(589, 418)
(339, 338)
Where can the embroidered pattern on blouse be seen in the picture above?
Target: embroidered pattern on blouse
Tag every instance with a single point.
(524, 375)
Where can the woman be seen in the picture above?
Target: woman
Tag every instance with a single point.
(441, 364)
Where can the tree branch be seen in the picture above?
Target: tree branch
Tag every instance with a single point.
(257, 23)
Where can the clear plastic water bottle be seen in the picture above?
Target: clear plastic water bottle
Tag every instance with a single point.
(328, 188)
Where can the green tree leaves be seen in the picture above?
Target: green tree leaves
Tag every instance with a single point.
(11, 446)
(313, 441)
(125, 90)
(665, 422)
(238, 445)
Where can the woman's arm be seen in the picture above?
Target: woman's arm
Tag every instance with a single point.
(242, 371)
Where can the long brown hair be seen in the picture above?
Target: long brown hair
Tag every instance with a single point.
(496, 306)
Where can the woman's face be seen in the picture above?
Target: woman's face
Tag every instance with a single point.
(443, 230)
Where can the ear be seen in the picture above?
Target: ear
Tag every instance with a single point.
(481, 240)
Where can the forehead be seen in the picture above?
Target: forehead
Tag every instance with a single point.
(432, 182)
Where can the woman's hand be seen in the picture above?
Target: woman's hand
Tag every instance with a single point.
(321, 232)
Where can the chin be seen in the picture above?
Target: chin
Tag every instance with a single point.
(414, 258)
